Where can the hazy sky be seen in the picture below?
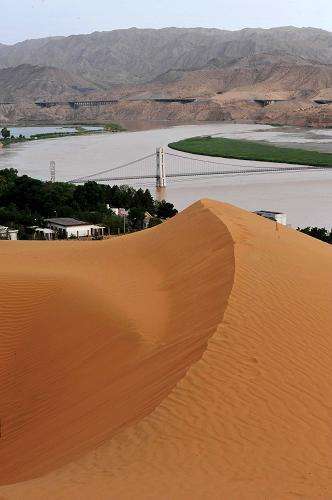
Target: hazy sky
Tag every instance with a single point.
(37, 18)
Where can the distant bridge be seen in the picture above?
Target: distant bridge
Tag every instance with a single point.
(162, 167)
(266, 102)
(323, 101)
(76, 104)
(50, 104)
(169, 100)
(90, 104)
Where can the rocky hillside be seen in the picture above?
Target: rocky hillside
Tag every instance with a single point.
(40, 82)
(257, 75)
(224, 71)
(141, 55)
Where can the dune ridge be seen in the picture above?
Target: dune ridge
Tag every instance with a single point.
(221, 387)
(82, 338)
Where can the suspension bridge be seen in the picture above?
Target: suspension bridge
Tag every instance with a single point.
(164, 166)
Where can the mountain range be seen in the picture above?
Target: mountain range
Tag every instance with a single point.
(141, 55)
(222, 66)
(26, 80)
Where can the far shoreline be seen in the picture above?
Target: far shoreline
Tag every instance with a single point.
(76, 130)
(131, 126)
(156, 124)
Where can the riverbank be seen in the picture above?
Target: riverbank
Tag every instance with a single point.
(304, 196)
(78, 131)
(251, 150)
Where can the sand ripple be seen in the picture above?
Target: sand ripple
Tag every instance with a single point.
(191, 361)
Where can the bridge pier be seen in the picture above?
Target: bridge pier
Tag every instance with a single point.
(161, 172)
(161, 194)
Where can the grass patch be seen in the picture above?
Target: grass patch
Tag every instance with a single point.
(250, 150)
(114, 127)
(55, 135)
(51, 135)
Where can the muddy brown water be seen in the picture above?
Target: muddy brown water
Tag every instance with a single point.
(306, 197)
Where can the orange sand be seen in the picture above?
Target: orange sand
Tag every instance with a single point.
(190, 361)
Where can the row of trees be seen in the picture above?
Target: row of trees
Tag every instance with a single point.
(6, 138)
(321, 233)
(26, 201)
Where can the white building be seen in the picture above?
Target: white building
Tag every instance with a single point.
(279, 217)
(8, 234)
(120, 212)
(66, 227)
(146, 220)
(43, 233)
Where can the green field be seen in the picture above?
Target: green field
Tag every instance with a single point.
(250, 150)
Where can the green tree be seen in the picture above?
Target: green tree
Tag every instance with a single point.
(113, 223)
(58, 199)
(28, 194)
(90, 196)
(320, 233)
(155, 221)
(136, 217)
(5, 133)
(143, 199)
(120, 196)
(8, 178)
(164, 209)
(25, 201)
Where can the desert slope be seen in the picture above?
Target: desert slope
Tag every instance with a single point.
(214, 327)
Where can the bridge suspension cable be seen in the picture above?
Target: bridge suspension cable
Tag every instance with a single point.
(247, 167)
(201, 160)
(181, 166)
(102, 172)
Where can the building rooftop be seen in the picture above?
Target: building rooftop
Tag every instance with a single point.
(67, 222)
(268, 212)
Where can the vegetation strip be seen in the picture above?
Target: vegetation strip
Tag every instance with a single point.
(250, 150)
(26, 202)
(6, 138)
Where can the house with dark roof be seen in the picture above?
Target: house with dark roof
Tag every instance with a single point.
(66, 227)
(279, 217)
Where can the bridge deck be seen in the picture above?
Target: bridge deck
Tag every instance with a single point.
(75, 104)
(204, 173)
(323, 101)
(105, 102)
(266, 102)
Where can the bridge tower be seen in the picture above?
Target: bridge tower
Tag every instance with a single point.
(161, 171)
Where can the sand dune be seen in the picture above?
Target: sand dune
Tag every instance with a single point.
(190, 361)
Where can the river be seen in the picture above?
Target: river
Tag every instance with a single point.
(306, 197)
